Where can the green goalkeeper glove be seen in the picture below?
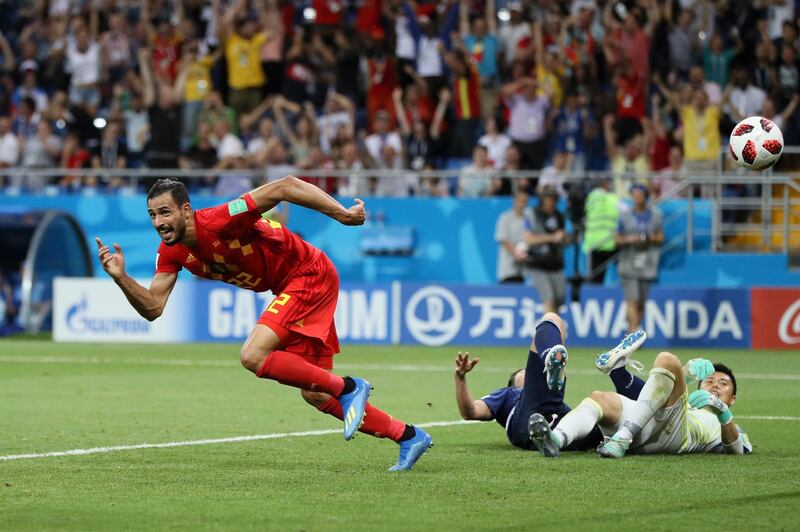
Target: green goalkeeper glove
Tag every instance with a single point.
(697, 369)
(703, 399)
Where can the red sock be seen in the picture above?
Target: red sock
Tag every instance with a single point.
(376, 422)
(293, 370)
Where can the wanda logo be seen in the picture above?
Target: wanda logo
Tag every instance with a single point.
(789, 326)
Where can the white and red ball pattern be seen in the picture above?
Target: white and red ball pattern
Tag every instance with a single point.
(756, 143)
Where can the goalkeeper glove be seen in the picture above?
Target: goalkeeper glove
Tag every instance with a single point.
(703, 399)
(697, 369)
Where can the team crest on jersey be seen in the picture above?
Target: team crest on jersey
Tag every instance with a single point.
(237, 207)
(218, 267)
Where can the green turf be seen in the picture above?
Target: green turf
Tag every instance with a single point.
(472, 479)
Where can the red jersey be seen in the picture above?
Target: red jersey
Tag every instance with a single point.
(235, 245)
(631, 96)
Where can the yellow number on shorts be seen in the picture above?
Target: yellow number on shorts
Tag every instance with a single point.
(278, 302)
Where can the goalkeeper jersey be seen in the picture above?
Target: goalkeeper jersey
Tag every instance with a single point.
(704, 434)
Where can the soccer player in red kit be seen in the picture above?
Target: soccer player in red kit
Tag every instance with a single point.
(295, 338)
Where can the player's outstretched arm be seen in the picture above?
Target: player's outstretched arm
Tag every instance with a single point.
(469, 409)
(148, 302)
(305, 194)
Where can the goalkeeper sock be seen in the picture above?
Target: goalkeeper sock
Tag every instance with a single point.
(293, 370)
(626, 383)
(376, 422)
(578, 422)
(654, 395)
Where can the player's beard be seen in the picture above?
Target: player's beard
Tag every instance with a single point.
(175, 236)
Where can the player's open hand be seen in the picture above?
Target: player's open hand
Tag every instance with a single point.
(705, 399)
(697, 369)
(355, 215)
(113, 263)
(464, 365)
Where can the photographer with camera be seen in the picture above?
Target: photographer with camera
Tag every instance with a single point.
(544, 256)
(640, 233)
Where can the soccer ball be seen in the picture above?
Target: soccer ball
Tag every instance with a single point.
(756, 143)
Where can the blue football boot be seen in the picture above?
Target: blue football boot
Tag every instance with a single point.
(353, 406)
(412, 450)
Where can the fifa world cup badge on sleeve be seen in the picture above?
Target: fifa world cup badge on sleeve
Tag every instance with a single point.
(237, 207)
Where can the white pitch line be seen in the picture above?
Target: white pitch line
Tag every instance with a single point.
(188, 362)
(258, 437)
(122, 360)
(769, 418)
(234, 439)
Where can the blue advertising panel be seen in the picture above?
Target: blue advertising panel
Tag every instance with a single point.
(503, 315)
(410, 313)
(365, 313)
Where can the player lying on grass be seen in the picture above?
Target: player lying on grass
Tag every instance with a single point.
(295, 338)
(664, 418)
(539, 388)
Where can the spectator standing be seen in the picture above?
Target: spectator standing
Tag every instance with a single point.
(137, 131)
(640, 234)
(570, 127)
(115, 47)
(475, 179)
(193, 86)
(83, 62)
(602, 214)
(745, 99)
(629, 161)
(431, 44)
(482, 47)
(381, 82)
(509, 233)
(513, 32)
(717, 60)
(554, 176)
(43, 150)
(384, 136)
(9, 145)
(700, 134)
(27, 119)
(164, 115)
(202, 154)
(466, 103)
(272, 49)
(527, 127)
(545, 239)
(242, 40)
(73, 156)
(495, 142)
(110, 152)
(30, 89)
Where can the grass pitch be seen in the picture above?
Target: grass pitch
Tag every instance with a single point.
(62, 397)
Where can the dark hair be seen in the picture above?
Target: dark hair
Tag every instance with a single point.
(513, 376)
(175, 188)
(722, 368)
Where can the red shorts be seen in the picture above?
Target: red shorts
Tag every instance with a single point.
(305, 308)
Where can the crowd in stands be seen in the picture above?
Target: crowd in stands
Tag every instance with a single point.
(629, 87)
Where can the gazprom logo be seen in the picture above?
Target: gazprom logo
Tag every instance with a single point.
(433, 315)
(81, 320)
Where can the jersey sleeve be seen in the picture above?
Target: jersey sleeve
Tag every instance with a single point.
(166, 262)
(233, 218)
(496, 400)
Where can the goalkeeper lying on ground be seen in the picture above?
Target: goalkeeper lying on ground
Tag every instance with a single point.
(665, 418)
